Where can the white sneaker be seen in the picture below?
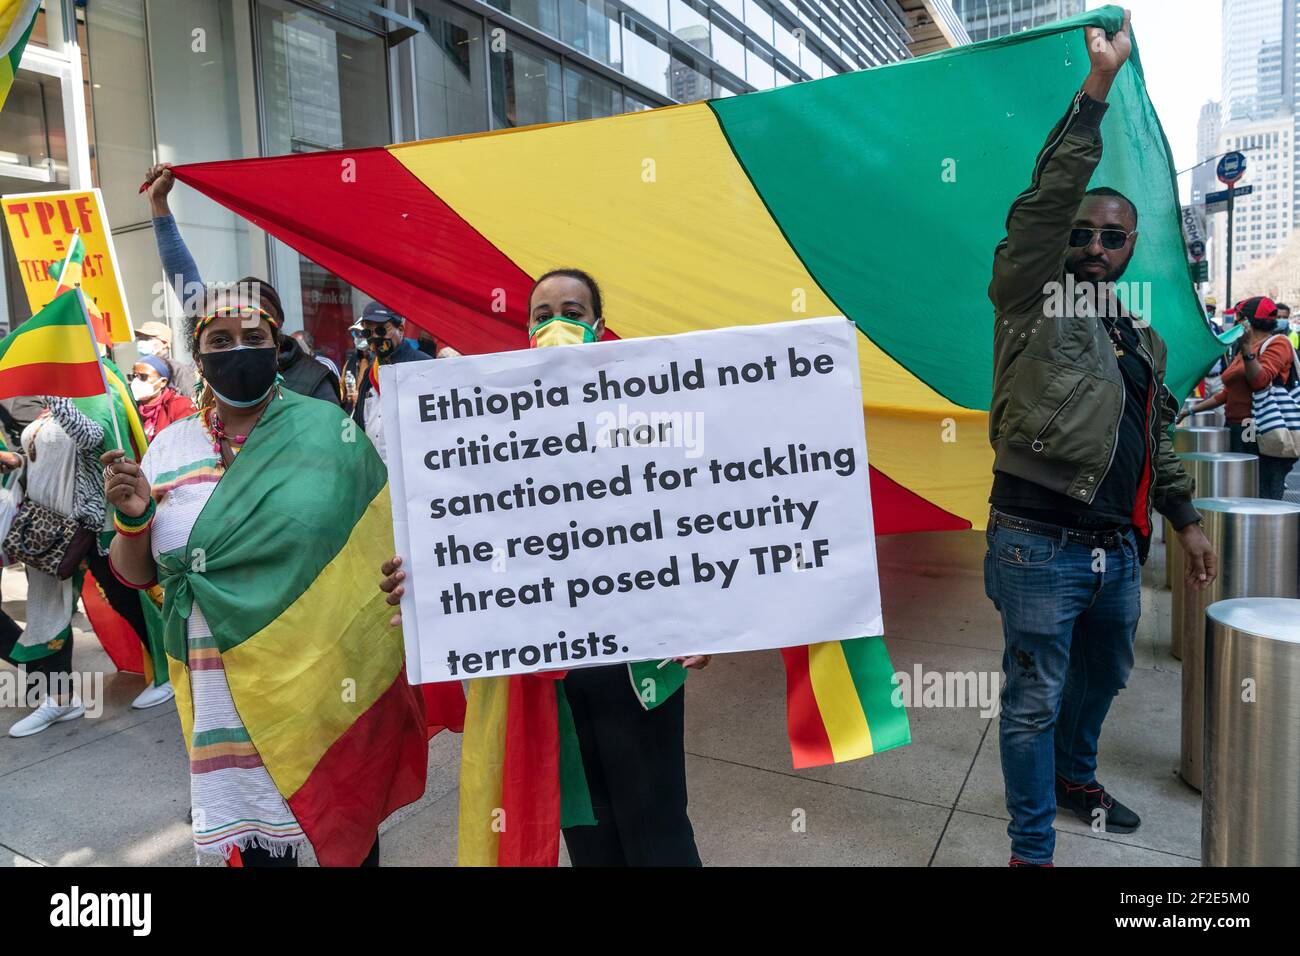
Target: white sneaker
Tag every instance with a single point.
(48, 713)
(153, 696)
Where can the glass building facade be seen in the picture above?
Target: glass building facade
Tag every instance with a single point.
(985, 19)
(117, 85)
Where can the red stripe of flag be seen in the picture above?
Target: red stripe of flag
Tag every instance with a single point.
(810, 746)
(71, 380)
(377, 766)
(530, 775)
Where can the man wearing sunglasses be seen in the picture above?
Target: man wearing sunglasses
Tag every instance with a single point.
(1077, 423)
(385, 332)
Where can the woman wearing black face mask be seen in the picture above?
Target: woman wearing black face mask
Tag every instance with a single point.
(252, 515)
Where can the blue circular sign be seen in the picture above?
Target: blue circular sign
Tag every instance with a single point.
(1231, 168)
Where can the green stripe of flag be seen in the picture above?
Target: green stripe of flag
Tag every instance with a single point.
(873, 678)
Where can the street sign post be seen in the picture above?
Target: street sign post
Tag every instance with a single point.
(1231, 168)
(1218, 201)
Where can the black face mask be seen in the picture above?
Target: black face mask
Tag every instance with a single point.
(241, 376)
(381, 344)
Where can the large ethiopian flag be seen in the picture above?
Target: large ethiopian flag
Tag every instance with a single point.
(879, 195)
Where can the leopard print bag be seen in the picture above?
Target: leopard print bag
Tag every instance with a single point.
(47, 541)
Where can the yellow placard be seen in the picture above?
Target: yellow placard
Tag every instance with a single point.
(41, 225)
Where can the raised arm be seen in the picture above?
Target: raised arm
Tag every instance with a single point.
(182, 272)
(1038, 225)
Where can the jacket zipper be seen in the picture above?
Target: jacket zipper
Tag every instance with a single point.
(1043, 157)
(1037, 445)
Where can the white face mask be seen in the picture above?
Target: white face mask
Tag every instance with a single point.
(143, 391)
(148, 347)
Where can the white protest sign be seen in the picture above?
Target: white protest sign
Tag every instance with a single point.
(631, 500)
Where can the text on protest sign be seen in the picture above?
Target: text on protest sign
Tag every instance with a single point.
(632, 500)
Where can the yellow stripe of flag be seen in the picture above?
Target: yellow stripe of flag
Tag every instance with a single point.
(482, 760)
(837, 699)
(297, 685)
(59, 344)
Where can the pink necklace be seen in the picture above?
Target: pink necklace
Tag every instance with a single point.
(217, 431)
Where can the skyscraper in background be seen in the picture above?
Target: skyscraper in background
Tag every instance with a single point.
(1207, 146)
(1257, 115)
(985, 19)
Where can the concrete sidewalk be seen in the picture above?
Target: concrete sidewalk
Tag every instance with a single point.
(115, 789)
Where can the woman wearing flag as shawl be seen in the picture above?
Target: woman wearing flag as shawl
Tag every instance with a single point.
(261, 517)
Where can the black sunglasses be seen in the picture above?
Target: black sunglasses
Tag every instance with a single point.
(140, 376)
(1110, 238)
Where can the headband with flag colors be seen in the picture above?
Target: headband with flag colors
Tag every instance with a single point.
(245, 310)
(17, 18)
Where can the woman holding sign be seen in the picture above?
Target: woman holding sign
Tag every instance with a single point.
(627, 719)
(254, 515)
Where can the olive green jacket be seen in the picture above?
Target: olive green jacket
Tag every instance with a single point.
(1058, 395)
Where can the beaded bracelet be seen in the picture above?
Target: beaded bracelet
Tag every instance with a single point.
(131, 527)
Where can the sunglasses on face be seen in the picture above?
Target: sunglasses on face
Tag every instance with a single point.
(140, 377)
(1110, 238)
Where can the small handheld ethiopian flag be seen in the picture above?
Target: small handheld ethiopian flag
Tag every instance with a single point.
(55, 353)
(52, 353)
(68, 274)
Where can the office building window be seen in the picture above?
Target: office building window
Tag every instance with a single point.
(645, 58)
(654, 10)
(758, 67)
(786, 44)
(592, 27)
(688, 80)
(691, 24)
(587, 96)
(759, 19)
(542, 14)
(450, 74)
(526, 85)
(728, 48)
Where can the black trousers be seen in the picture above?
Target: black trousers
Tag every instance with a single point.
(51, 668)
(1272, 471)
(636, 771)
(256, 856)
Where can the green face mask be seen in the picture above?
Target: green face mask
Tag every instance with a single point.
(557, 330)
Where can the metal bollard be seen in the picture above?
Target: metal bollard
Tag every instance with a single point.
(1252, 751)
(1189, 439)
(1202, 439)
(1214, 475)
(1258, 544)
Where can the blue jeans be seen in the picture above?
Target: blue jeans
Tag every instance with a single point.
(1069, 614)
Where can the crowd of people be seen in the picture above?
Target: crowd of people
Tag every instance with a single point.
(1078, 471)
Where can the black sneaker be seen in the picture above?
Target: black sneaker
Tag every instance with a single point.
(1089, 801)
